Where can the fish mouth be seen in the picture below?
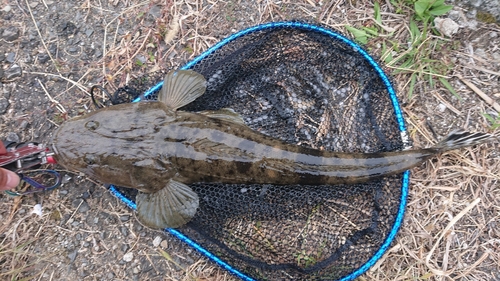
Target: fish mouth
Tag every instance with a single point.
(53, 146)
(60, 144)
(56, 153)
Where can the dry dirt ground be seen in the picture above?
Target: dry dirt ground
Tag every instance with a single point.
(52, 51)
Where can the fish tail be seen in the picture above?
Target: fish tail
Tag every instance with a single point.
(458, 139)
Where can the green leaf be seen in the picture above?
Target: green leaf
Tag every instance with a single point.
(487, 116)
(389, 57)
(431, 81)
(371, 30)
(421, 7)
(376, 8)
(360, 35)
(415, 32)
(437, 3)
(449, 87)
(412, 85)
(386, 53)
(494, 123)
(441, 10)
(426, 276)
(166, 255)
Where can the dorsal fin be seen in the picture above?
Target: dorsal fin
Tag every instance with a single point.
(181, 87)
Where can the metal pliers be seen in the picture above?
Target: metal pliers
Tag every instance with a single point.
(24, 159)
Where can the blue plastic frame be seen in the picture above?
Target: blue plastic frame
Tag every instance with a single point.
(397, 111)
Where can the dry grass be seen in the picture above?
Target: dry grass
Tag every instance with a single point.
(451, 230)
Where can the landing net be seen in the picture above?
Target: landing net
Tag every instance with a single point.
(310, 86)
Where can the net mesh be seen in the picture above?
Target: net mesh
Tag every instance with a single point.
(305, 88)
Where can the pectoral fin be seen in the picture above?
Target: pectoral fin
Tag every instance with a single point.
(172, 206)
(227, 114)
(181, 87)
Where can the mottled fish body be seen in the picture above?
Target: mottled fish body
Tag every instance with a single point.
(158, 150)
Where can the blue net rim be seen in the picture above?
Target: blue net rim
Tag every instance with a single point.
(397, 111)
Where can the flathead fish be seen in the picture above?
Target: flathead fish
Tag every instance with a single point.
(153, 147)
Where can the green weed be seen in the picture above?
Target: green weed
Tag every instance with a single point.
(495, 122)
(421, 57)
(426, 10)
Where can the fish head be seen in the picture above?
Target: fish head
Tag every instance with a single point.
(114, 145)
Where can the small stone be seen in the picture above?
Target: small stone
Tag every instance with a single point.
(13, 72)
(446, 26)
(73, 50)
(11, 57)
(135, 270)
(157, 241)
(37, 209)
(125, 247)
(86, 195)
(455, 15)
(7, 8)
(124, 218)
(24, 124)
(442, 107)
(67, 29)
(43, 58)
(141, 59)
(480, 53)
(66, 179)
(76, 202)
(75, 223)
(496, 56)
(52, 49)
(164, 244)
(12, 137)
(138, 227)
(72, 255)
(476, 3)
(11, 33)
(155, 11)
(84, 207)
(89, 32)
(124, 231)
(4, 105)
(128, 257)
(97, 194)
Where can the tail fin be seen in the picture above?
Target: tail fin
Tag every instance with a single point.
(458, 139)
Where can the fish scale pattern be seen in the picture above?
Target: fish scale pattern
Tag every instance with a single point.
(305, 88)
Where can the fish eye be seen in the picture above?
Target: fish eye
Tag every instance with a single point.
(92, 125)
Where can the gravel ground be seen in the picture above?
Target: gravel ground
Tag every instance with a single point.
(52, 51)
